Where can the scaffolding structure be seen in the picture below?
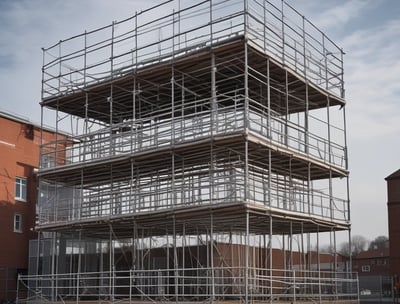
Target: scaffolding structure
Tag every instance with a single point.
(207, 160)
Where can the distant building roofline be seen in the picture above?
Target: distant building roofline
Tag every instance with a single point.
(23, 119)
(372, 254)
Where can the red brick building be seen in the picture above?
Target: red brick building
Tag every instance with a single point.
(19, 157)
(393, 203)
(373, 262)
(373, 268)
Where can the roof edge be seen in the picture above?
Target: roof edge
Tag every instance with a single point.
(394, 175)
(25, 120)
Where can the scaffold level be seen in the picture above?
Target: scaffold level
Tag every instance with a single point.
(206, 162)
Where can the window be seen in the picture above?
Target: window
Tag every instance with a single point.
(20, 189)
(365, 268)
(47, 161)
(17, 222)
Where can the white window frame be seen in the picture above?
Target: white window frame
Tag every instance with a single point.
(21, 187)
(17, 222)
(366, 268)
(47, 161)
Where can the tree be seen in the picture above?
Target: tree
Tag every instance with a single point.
(344, 249)
(358, 244)
(380, 242)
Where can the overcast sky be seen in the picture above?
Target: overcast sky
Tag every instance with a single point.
(368, 31)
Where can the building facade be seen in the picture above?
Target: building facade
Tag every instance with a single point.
(373, 262)
(19, 149)
(374, 272)
(206, 137)
(393, 205)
